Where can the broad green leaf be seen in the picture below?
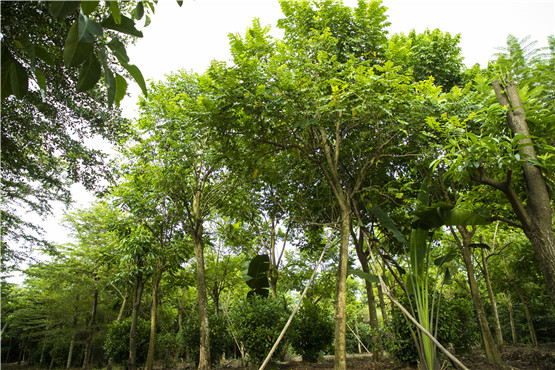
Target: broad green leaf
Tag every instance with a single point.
(89, 74)
(110, 82)
(19, 81)
(5, 87)
(388, 223)
(446, 258)
(118, 48)
(137, 76)
(88, 29)
(29, 49)
(44, 55)
(41, 79)
(447, 277)
(363, 275)
(180, 2)
(61, 9)
(418, 250)
(126, 26)
(87, 7)
(260, 264)
(147, 21)
(116, 13)
(75, 52)
(139, 11)
(121, 88)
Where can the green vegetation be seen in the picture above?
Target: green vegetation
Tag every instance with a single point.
(210, 222)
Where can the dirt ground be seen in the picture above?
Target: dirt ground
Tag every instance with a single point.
(514, 358)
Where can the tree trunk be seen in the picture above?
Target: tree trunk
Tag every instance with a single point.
(70, 352)
(498, 332)
(153, 308)
(204, 357)
(492, 353)
(180, 313)
(122, 308)
(92, 322)
(512, 320)
(382, 306)
(72, 343)
(137, 293)
(372, 314)
(536, 216)
(340, 358)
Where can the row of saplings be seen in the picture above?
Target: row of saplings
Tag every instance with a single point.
(250, 330)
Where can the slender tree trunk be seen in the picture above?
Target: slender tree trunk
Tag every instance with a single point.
(92, 323)
(340, 358)
(180, 313)
(497, 323)
(137, 293)
(372, 314)
(492, 353)
(153, 309)
(71, 344)
(122, 309)
(512, 320)
(204, 357)
(536, 216)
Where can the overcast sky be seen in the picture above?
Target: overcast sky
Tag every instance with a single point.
(191, 36)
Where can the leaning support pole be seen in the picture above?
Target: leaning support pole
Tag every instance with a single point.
(407, 314)
(267, 360)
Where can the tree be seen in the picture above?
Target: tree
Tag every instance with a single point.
(175, 121)
(327, 100)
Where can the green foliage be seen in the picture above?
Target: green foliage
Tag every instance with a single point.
(457, 327)
(257, 322)
(221, 340)
(256, 275)
(312, 331)
(117, 340)
(365, 333)
(168, 348)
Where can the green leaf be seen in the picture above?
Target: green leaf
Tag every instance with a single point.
(137, 76)
(89, 74)
(388, 223)
(147, 21)
(75, 52)
(118, 48)
(121, 88)
(88, 28)
(180, 2)
(126, 26)
(139, 11)
(116, 14)
(363, 275)
(447, 277)
(29, 49)
(446, 258)
(110, 82)
(61, 9)
(87, 7)
(44, 55)
(41, 79)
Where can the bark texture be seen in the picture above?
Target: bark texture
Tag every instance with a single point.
(153, 309)
(137, 294)
(536, 215)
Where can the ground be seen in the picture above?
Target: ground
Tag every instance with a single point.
(514, 358)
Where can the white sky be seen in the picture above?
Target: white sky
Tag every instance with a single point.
(191, 36)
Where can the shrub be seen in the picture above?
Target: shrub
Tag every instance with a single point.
(365, 333)
(457, 328)
(311, 332)
(258, 321)
(168, 348)
(221, 340)
(117, 340)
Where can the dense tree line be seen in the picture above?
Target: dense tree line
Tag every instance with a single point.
(424, 186)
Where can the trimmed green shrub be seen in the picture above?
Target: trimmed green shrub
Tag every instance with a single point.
(311, 332)
(258, 321)
(221, 340)
(457, 328)
(117, 340)
(365, 333)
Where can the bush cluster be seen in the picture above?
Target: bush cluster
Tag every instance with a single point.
(117, 340)
(221, 341)
(257, 322)
(311, 332)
